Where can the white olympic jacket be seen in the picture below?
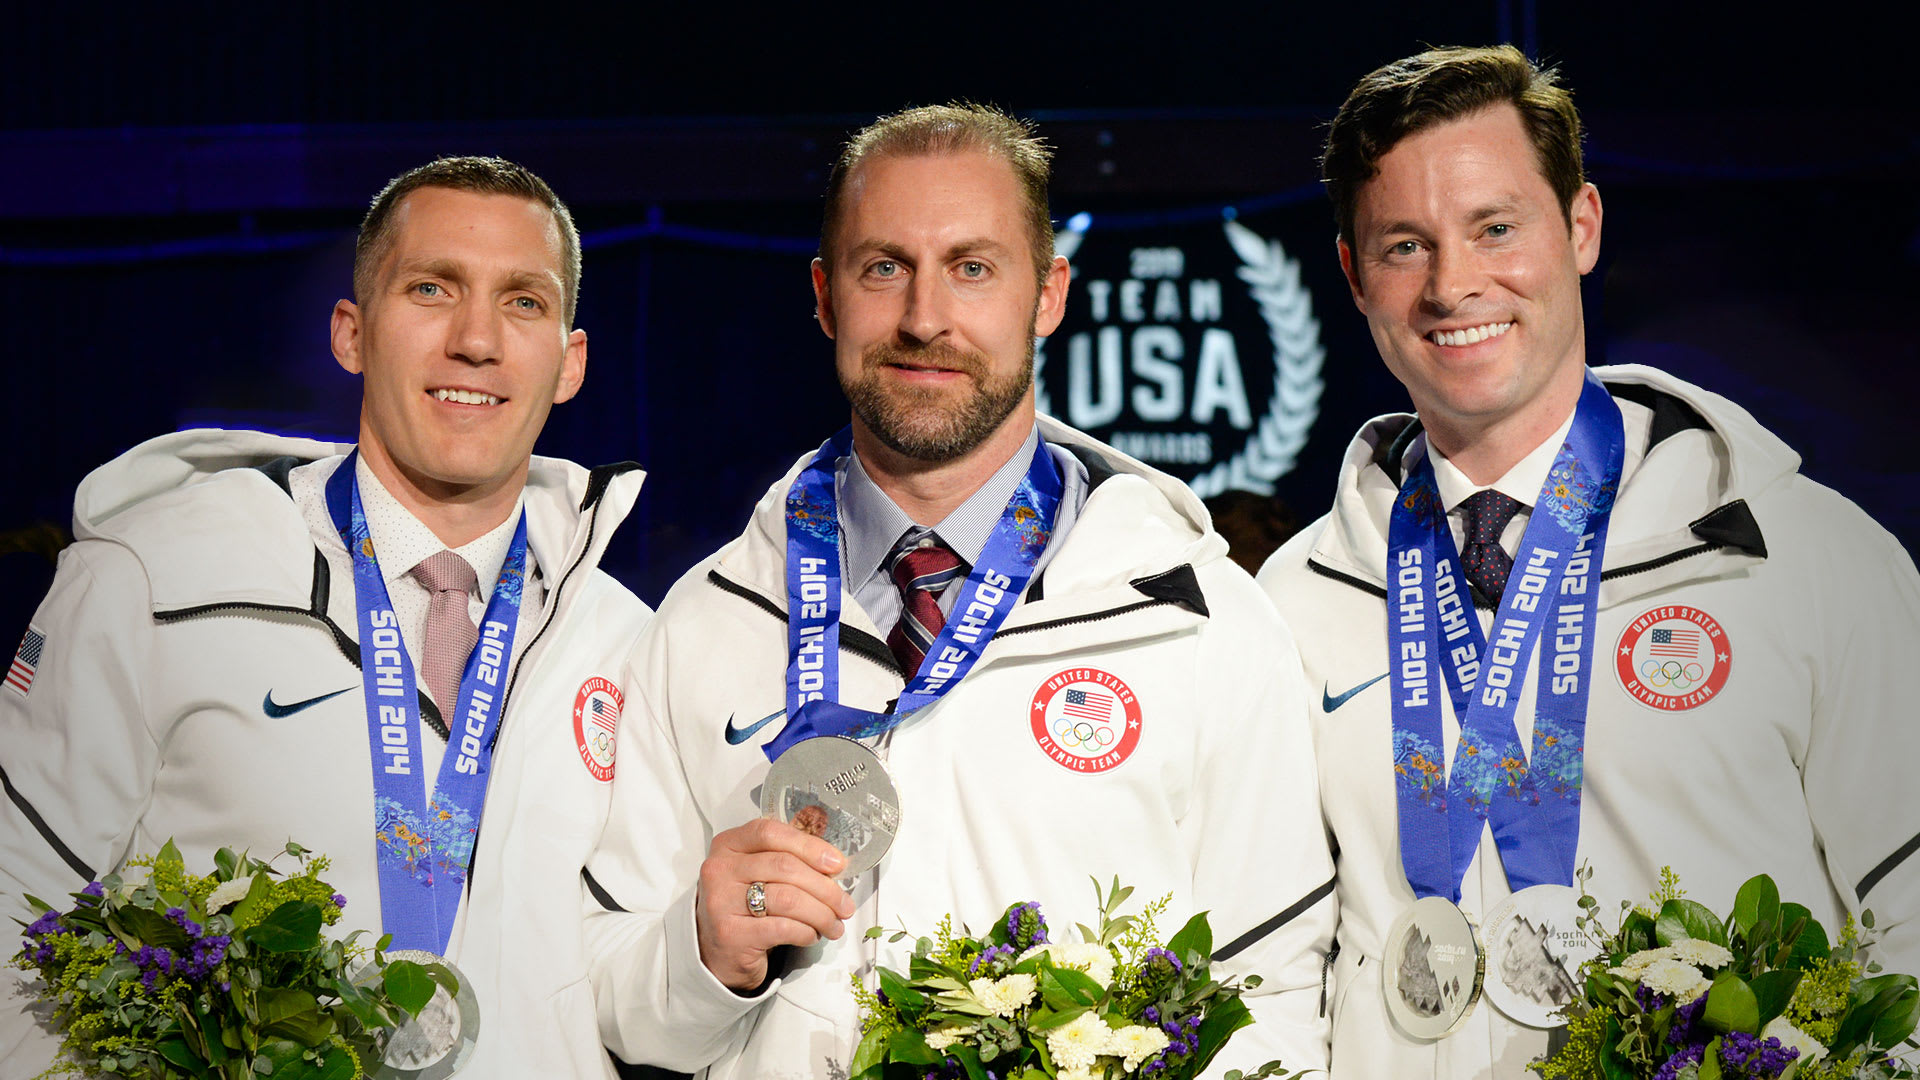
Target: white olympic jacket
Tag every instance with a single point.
(195, 604)
(1791, 753)
(1215, 804)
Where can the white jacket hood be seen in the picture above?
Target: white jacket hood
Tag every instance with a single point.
(128, 500)
(1656, 518)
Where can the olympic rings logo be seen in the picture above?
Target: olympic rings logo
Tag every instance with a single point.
(1073, 735)
(601, 743)
(1672, 673)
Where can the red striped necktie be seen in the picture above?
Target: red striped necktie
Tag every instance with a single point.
(920, 571)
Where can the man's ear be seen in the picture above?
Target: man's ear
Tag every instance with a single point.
(822, 298)
(1352, 272)
(1053, 297)
(345, 333)
(573, 368)
(1584, 214)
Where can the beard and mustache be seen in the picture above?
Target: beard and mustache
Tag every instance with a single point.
(921, 423)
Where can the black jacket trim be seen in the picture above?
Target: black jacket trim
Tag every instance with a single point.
(1239, 944)
(599, 891)
(852, 639)
(599, 478)
(46, 832)
(1887, 866)
(1733, 526)
(1671, 416)
(1179, 586)
(1347, 579)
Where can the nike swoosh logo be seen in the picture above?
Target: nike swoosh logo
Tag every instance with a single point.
(1329, 701)
(738, 735)
(279, 712)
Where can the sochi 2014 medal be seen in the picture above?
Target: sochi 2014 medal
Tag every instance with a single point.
(1432, 969)
(1534, 953)
(438, 1042)
(838, 790)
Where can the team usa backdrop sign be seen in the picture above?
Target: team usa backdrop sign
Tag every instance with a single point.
(1194, 348)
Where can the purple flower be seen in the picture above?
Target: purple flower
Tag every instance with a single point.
(1151, 1015)
(1749, 1057)
(1692, 1055)
(47, 923)
(1685, 1019)
(1026, 926)
(1163, 956)
(339, 901)
(1647, 999)
(93, 889)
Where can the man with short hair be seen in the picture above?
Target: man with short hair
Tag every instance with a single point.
(1040, 641)
(213, 658)
(1564, 616)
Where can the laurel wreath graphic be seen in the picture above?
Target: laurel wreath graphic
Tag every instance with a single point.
(1273, 279)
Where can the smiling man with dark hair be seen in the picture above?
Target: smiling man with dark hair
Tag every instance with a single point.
(212, 663)
(1565, 615)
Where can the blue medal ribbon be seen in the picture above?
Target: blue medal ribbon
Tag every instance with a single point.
(1434, 639)
(424, 846)
(991, 590)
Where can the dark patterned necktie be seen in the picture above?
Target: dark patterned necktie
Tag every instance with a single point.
(1486, 563)
(920, 571)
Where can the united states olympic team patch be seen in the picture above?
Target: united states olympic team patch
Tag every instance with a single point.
(1673, 657)
(1086, 720)
(596, 717)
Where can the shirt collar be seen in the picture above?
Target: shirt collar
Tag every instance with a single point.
(871, 523)
(1522, 482)
(395, 530)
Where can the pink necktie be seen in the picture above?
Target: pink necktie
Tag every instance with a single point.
(450, 631)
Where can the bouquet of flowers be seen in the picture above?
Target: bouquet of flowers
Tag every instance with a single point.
(1016, 1006)
(1680, 994)
(156, 972)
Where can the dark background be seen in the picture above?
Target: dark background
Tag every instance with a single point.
(178, 195)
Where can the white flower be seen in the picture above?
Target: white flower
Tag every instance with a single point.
(227, 892)
(1636, 965)
(941, 1038)
(1095, 960)
(1704, 953)
(1004, 997)
(1135, 1044)
(1809, 1047)
(1075, 1074)
(1681, 982)
(1076, 1043)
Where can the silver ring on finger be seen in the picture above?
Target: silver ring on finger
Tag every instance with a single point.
(757, 899)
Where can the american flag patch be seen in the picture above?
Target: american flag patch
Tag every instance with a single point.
(1684, 644)
(1088, 705)
(605, 716)
(25, 660)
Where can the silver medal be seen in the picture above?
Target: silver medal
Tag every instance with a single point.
(438, 1042)
(838, 790)
(1432, 970)
(1534, 953)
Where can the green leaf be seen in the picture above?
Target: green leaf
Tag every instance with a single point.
(910, 1047)
(150, 927)
(1772, 990)
(1195, 937)
(310, 1029)
(1219, 1025)
(1809, 943)
(1758, 901)
(243, 912)
(1682, 919)
(1866, 918)
(276, 1055)
(1636, 932)
(292, 927)
(444, 975)
(176, 1051)
(870, 1057)
(1900, 1018)
(969, 1059)
(1046, 1019)
(228, 863)
(1731, 1005)
(277, 1003)
(1710, 1064)
(1078, 987)
(169, 855)
(409, 985)
(900, 994)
